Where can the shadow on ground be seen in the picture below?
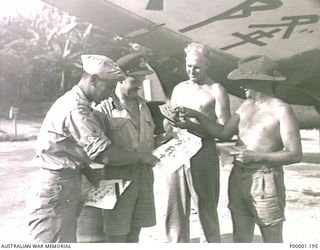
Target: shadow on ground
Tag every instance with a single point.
(227, 238)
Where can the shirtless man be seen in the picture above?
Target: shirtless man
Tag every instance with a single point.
(201, 179)
(268, 134)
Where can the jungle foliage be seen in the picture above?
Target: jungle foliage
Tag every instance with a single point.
(40, 54)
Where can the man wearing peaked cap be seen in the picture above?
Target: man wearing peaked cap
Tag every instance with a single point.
(69, 140)
(134, 64)
(268, 137)
(131, 127)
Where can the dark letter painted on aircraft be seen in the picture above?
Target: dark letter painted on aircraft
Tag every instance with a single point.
(252, 38)
(245, 9)
(155, 5)
(294, 21)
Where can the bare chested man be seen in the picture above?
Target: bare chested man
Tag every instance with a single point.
(268, 131)
(201, 180)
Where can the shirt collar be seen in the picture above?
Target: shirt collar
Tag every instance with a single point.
(82, 97)
(117, 103)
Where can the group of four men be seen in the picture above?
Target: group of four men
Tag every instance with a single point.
(118, 132)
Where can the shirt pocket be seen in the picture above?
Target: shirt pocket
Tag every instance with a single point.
(147, 136)
(117, 127)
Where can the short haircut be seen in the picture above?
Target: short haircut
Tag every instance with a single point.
(197, 48)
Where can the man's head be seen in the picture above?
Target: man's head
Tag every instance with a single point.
(197, 61)
(135, 69)
(252, 87)
(130, 86)
(257, 73)
(101, 76)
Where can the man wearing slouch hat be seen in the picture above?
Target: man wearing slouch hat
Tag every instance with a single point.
(268, 138)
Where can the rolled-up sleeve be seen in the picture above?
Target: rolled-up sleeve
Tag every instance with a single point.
(88, 131)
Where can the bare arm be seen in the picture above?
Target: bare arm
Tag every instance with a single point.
(223, 132)
(193, 127)
(222, 104)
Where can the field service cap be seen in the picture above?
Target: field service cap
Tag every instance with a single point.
(102, 66)
(257, 67)
(134, 64)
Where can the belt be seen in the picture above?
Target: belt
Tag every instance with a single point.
(260, 169)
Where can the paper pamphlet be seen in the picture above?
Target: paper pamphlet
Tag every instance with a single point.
(166, 111)
(178, 151)
(105, 196)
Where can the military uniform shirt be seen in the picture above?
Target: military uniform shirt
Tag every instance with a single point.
(123, 131)
(70, 135)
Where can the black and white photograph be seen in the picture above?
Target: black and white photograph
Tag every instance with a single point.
(159, 121)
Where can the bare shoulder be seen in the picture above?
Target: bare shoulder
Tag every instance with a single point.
(282, 109)
(217, 88)
(245, 106)
(280, 105)
(181, 84)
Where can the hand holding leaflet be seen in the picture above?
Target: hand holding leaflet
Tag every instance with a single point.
(168, 111)
(106, 195)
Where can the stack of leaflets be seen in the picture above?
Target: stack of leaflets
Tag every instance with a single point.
(106, 195)
(167, 111)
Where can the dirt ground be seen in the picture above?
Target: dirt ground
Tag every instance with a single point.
(302, 180)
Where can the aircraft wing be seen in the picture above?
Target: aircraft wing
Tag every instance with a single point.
(288, 31)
